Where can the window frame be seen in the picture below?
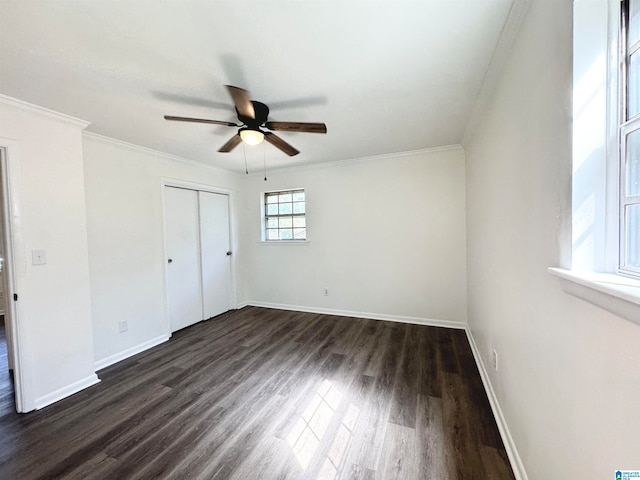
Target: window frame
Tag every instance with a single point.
(265, 216)
(626, 126)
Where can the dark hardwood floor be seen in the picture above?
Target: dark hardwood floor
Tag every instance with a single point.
(269, 394)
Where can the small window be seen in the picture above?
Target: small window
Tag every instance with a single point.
(284, 216)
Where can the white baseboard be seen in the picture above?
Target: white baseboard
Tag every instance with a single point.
(66, 391)
(372, 316)
(509, 445)
(130, 352)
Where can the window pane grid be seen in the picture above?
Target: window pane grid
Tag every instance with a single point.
(285, 215)
(633, 84)
(631, 45)
(633, 29)
(632, 163)
(631, 251)
(629, 135)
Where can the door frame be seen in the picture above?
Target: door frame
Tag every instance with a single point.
(10, 216)
(188, 185)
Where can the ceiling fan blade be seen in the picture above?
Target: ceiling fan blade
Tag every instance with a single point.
(200, 120)
(277, 142)
(242, 101)
(297, 127)
(231, 144)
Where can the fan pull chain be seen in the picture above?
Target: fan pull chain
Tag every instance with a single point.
(264, 160)
(246, 170)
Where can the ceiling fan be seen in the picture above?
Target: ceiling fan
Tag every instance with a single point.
(253, 116)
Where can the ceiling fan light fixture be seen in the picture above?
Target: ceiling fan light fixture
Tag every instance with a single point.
(251, 137)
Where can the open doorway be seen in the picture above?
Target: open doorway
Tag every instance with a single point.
(9, 403)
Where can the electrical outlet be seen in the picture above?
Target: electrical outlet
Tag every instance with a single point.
(495, 360)
(326, 292)
(123, 325)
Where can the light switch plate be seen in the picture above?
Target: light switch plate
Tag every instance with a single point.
(38, 257)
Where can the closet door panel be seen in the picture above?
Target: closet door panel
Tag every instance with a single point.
(184, 286)
(214, 244)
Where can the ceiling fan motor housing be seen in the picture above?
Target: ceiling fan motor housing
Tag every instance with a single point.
(261, 112)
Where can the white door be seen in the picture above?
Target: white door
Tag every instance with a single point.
(215, 253)
(184, 286)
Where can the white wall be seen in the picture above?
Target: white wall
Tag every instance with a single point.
(48, 213)
(126, 249)
(569, 377)
(386, 237)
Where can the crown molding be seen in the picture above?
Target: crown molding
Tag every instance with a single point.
(351, 161)
(154, 153)
(517, 14)
(21, 106)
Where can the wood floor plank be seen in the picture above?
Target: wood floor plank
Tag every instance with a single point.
(96, 468)
(463, 439)
(358, 428)
(403, 408)
(434, 444)
(375, 356)
(429, 355)
(356, 472)
(276, 395)
(400, 458)
(272, 460)
(339, 393)
(496, 463)
(371, 430)
(448, 360)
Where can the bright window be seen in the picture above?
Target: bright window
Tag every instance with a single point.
(284, 215)
(629, 135)
(605, 194)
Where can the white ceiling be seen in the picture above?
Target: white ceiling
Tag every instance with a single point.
(385, 76)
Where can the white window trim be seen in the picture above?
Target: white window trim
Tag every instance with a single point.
(617, 294)
(263, 216)
(613, 217)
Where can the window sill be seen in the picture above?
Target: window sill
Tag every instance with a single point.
(284, 242)
(615, 293)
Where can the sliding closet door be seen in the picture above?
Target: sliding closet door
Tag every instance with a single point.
(215, 253)
(184, 287)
